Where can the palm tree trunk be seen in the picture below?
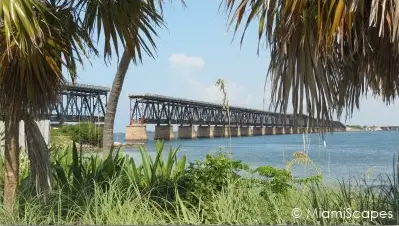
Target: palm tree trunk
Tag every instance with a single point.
(12, 161)
(39, 158)
(112, 104)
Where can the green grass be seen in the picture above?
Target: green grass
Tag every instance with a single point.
(165, 190)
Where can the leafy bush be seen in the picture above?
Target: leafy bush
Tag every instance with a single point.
(82, 133)
(204, 178)
(279, 180)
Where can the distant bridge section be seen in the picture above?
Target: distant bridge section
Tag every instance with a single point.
(164, 111)
(80, 103)
(389, 128)
(77, 103)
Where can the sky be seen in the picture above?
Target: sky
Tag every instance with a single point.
(194, 51)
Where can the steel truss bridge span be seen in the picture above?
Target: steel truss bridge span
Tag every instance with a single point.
(157, 109)
(80, 103)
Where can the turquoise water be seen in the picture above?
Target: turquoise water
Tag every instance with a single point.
(345, 155)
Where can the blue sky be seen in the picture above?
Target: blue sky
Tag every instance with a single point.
(194, 51)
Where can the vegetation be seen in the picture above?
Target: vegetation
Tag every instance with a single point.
(140, 23)
(116, 189)
(355, 127)
(81, 133)
(40, 39)
(325, 55)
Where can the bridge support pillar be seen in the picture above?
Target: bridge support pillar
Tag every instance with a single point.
(164, 132)
(259, 131)
(235, 131)
(279, 130)
(246, 131)
(205, 132)
(220, 131)
(136, 133)
(187, 132)
(270, 130)
(289, 130)
(302, 130)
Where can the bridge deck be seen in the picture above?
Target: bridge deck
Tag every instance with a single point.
(78, 87)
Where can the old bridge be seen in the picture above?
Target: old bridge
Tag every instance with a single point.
(80, 103)
(76, 103)
(212, 120)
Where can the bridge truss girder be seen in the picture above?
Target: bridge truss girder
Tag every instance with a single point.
(152, 110)
(77, 104)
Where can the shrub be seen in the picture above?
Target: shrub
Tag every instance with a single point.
(87, 133)
(204, 178)
(83, 133)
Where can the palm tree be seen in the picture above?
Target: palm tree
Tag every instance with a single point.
(35, 45)
(326, 54)
(38, 39)
(144, 31)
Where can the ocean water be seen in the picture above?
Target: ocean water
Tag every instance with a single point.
(343, 156)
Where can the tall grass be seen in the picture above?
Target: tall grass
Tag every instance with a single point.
(115, 190)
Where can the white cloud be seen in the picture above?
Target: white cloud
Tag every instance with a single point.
(188, 67)
(183, 61)
(237, 95)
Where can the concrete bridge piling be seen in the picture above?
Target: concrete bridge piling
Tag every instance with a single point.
(259, 131)
(279, 130)
(246, 131)
(220, 131)
(187, 132)
(136, 133)
(235, 131)
(164, 132)
(205, 132)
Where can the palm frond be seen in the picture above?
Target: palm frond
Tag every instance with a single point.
(130, 23)
(35, 51)
(325, 54)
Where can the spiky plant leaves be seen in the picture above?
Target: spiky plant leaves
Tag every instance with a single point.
(60, 175)
(146, 164)
(180, 167)
(133, 173)
(157, 166)
(76, 167)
